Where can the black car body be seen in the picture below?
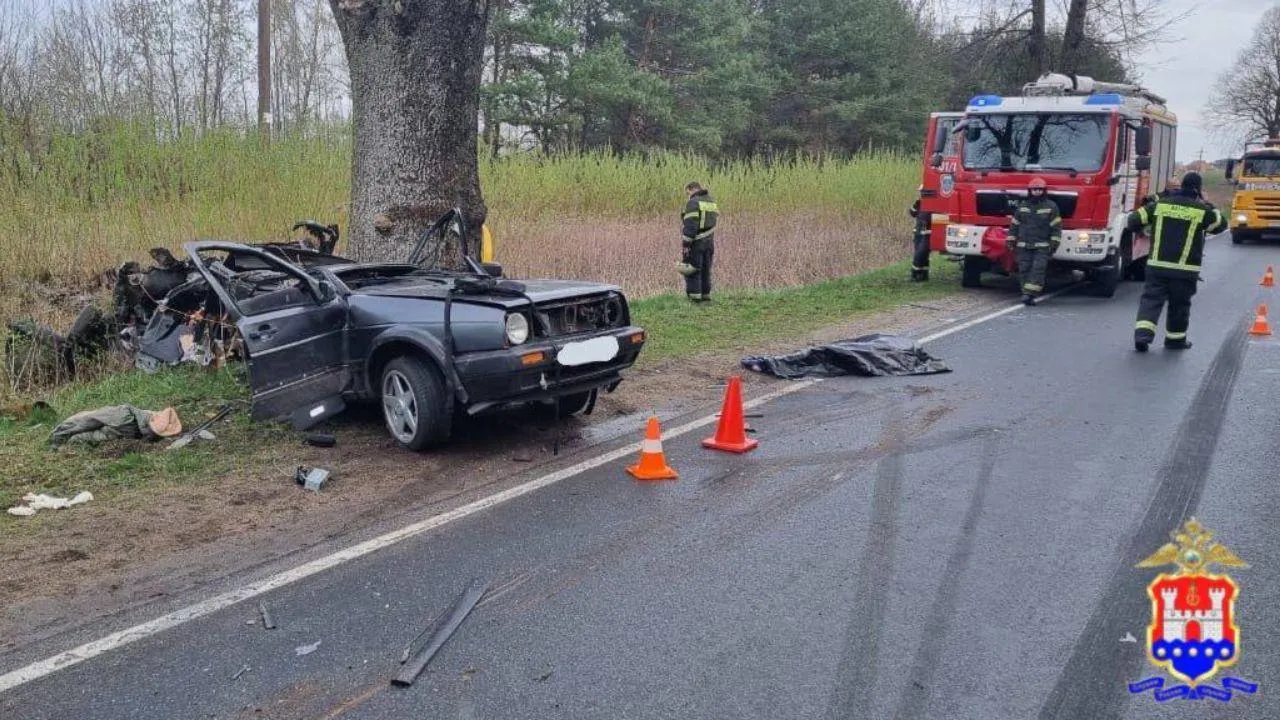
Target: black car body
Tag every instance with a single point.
(318, 330)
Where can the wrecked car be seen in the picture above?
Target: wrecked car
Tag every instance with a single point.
(424, 341)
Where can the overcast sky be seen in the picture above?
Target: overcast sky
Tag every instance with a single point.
(1185, 68)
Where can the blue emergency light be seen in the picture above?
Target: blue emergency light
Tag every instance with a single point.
(986, 101)
(1104, 99)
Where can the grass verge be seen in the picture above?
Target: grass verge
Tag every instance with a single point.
(736, 319)
(677, 328)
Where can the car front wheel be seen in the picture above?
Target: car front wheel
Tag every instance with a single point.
(414, 404)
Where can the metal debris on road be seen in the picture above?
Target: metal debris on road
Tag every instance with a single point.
(462, 607)
(242, 671)
(311, 478)
(268, 622)
(1128, 637)
(307, 649)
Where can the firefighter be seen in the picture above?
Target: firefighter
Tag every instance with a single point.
(1035, 231)
(698, 240)
(1181, 220)
(920, 258)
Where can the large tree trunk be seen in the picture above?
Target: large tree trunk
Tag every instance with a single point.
(1037, 43)
(415, 89)
(1073, 35)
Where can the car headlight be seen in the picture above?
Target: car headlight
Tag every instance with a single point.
(1242, 218)
(517, 328)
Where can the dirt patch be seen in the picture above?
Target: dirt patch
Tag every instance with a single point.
(82, 563)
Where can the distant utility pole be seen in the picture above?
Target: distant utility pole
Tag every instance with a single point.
(264, 70)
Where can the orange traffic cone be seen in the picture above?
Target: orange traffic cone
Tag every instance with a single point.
(1260, 326)
(1268, 278)
(731, 432)
(653, 463)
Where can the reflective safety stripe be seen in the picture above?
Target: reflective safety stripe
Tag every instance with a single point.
(1145, 325)
(1144, 216)
(704, 234)
(1043, 211)
(689, 215)
(1056, 221)
(1014, 221)
(651, 446)
(1176, 336)
(1032, 286)
(1187, 267)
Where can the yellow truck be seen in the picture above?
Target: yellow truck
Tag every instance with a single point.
(1255, 210)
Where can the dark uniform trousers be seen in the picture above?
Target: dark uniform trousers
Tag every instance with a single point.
(920, 259)
(700, 254)
(1171, 287)
(1033, 263)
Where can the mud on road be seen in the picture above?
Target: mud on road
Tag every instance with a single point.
(162, 545)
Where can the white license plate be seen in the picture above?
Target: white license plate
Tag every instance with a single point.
(601, 349)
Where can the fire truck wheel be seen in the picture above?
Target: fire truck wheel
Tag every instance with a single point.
(1104, 280)
(971, 271)
(1238, 237)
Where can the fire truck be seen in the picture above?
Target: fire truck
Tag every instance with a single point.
(1255, 209)
(1101, 147)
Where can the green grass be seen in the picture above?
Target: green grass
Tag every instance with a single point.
(79, 204)
(32, 465)
(735, 319)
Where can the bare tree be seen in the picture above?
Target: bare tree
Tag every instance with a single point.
(307, 50)
(415, 77)
(1247, 104)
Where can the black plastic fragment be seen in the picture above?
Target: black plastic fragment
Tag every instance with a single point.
(462, 607)
(324, 440)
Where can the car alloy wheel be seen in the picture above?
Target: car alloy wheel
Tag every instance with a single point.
(399, 406)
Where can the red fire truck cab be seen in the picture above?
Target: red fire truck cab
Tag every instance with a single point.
(1097, 145)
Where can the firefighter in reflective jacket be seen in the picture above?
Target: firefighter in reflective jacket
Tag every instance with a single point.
(699, 223)
(1035, 232)
(1179, 222)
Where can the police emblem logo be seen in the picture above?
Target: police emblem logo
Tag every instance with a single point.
(1193, 634)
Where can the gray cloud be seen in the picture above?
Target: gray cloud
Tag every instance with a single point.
(1185, 69)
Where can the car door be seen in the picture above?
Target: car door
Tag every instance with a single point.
(294, 331)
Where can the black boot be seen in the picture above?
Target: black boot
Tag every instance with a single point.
(919, 274)
(1182, 344)
(1141, 345)
(1028, 299)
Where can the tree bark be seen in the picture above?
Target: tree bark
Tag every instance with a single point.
(1073, 35)
(415, 85)
(1036, 46)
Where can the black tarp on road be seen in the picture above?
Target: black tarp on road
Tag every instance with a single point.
(870, 355)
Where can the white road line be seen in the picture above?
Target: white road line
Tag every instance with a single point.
(116, 640)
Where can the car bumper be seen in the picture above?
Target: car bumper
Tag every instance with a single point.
(532, 371)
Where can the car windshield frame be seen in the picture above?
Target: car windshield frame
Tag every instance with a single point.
(1006, 141)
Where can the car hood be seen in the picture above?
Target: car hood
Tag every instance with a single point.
(539, 291)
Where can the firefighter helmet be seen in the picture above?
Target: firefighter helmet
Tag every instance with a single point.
(1037, 184)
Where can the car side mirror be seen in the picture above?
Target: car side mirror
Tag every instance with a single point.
(1231, 169)
(936, 160)
(1142, 162)
(324, 292)
(1142, 141)
(973, 133)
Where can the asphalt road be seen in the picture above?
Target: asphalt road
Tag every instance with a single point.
(957, 546)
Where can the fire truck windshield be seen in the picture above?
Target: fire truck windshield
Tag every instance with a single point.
(1262, 166)
(1027, 141)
